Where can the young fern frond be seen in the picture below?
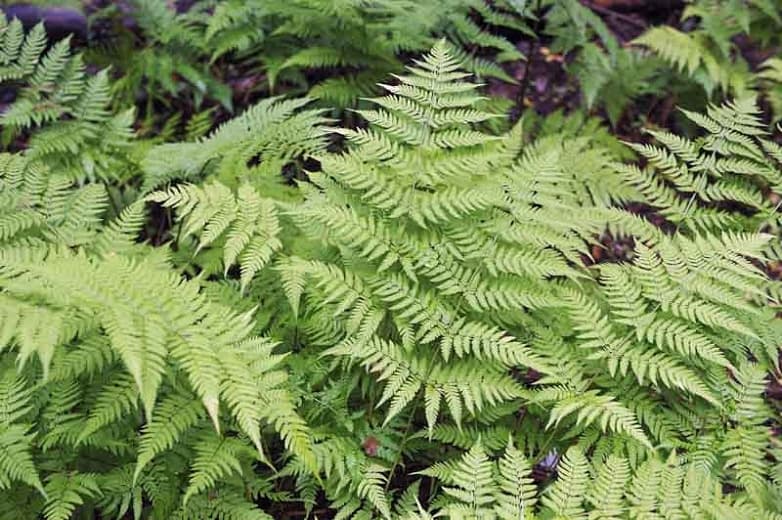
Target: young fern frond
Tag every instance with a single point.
(472, 479)
(746, 444)
(173, 417)
(607, 490)
(518, 494)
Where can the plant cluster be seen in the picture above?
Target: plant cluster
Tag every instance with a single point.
(406, 313)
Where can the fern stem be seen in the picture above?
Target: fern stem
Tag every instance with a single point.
(405, 437)
(115, 205)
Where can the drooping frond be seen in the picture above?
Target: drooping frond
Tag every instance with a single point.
(189, 330)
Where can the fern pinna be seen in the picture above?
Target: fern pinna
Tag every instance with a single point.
(412, 333)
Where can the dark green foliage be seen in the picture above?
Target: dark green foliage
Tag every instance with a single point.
(359, 40)
(166, 63)
(709, 55)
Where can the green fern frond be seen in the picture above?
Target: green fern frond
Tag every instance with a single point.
(246, 224)
(518, 493)
(565, 498)
(67, 492)
(606, 494)
(216, 458)
(472, 481)
(173, 417)
(274, 130)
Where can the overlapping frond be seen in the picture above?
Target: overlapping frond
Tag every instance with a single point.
(271, 132)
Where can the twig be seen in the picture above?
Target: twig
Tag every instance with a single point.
(528, 64)
(619, 16)
(291, 514)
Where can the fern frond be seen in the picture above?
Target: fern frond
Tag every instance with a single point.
(216, 458)
(606, 494)
(67, 492)
(473, 481)
(274, 130)
(173, 417)
(518, 493)
(565, 497)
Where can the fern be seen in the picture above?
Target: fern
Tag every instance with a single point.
(707, 54)
(354, 35)
(268, 131)
(66, 493)
(16, 462)
(425, 326)
(734, 162)
(655, 488)
(166, 64)
(247, 222)
(76, 133)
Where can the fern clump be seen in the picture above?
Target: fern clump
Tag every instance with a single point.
(407, 316)
(96, 367)
(481, 487)
(450, 270)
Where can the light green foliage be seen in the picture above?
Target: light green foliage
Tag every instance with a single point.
(392, 206)
(90, 354)
(36, 202)
(16, 462)
(104, 298)
(248, 223)
(451, 256)
(477, 487)
(410, 332)
(271, 132)
(734, 162)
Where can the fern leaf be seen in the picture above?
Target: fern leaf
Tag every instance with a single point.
(565, 497)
